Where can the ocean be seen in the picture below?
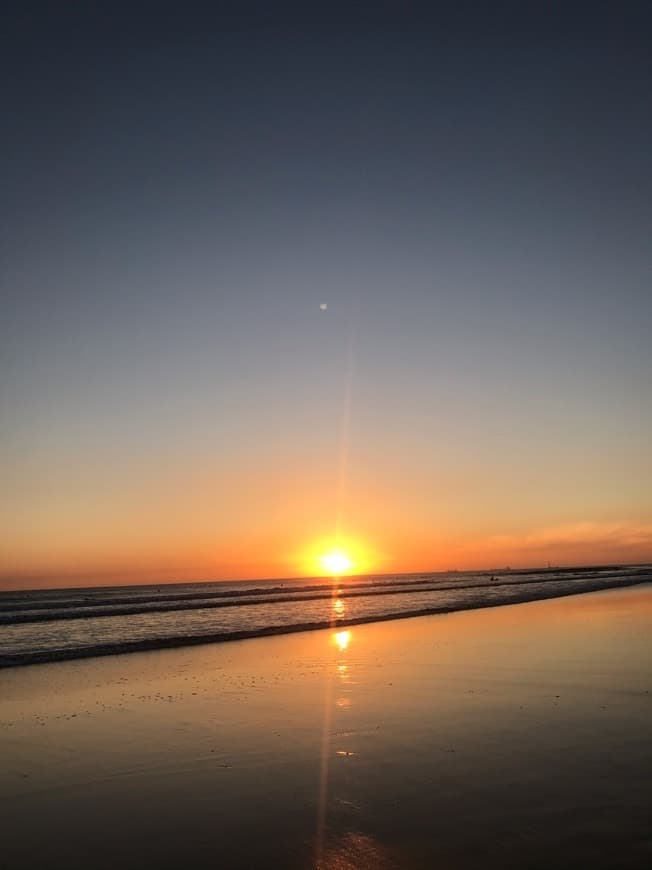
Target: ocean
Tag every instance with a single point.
(50, 625)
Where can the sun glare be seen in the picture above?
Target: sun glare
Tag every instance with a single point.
(336, 562)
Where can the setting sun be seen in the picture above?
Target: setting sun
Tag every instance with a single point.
(336, 562)
(337, 556)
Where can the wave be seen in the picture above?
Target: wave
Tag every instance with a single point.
(16, 601)
(131, 606)
(514, 593)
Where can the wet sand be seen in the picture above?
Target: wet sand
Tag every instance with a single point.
(516, 736)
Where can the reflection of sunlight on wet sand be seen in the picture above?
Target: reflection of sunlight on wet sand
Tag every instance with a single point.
(342, 639)
(353, 851)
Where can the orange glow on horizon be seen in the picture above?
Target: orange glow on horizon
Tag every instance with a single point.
(66, 549)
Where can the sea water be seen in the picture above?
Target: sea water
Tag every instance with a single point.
(47, 625)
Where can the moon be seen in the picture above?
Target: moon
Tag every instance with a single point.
(323, 306)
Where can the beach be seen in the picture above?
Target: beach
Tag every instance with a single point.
(512, 736)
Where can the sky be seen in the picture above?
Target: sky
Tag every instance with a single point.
(183, 186)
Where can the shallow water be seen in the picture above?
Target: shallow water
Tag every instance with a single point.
(38, 626)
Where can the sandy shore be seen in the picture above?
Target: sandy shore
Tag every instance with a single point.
(511, 737)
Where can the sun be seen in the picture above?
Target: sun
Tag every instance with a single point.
(336, 556)
(336, 562)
